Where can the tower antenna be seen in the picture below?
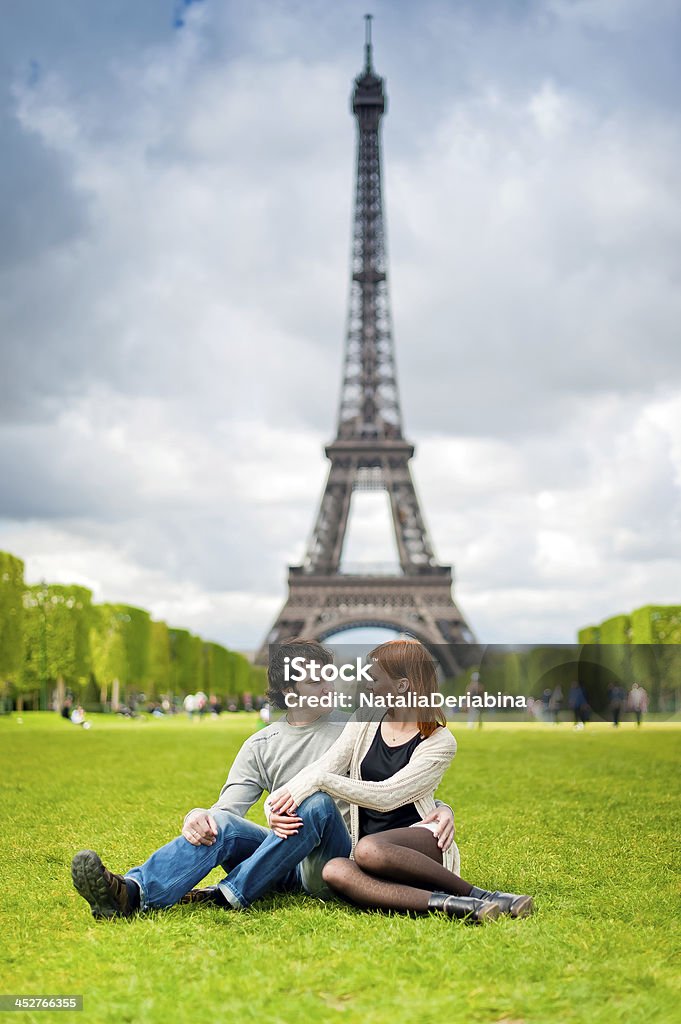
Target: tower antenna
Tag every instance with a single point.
(368, 18)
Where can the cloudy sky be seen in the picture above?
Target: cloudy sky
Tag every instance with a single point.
(176, 189)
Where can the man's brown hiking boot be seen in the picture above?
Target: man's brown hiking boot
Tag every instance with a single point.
(106, 893)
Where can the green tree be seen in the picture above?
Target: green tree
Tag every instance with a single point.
(57, 638)
(136, 628)
(159, 674)
(615, 650)
(121, 644)
(240, 674)
(11, 619)
(644, 646)
(258, 679)
(657, 624)
(186, 661)
(216, 670)
(109, 657)
(90, 696)
(658, 666)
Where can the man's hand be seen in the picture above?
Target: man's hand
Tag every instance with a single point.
(200, 828)
(285, 825)
(444, 819)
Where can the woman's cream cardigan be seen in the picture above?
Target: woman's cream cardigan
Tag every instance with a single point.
(415, 783)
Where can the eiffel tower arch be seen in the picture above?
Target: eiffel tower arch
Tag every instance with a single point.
(370, 452)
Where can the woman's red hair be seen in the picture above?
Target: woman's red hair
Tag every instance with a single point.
(408, 659)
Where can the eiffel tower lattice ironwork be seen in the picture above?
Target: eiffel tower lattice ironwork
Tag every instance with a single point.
(370, 451)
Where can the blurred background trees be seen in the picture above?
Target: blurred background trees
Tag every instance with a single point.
(54, 643)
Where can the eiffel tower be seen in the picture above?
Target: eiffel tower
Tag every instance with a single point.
(370, 451)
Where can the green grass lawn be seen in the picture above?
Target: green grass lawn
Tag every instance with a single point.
(587, 822)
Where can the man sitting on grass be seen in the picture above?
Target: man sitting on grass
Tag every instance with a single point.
(221, 835)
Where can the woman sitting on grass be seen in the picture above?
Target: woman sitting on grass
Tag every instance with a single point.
(395, 765)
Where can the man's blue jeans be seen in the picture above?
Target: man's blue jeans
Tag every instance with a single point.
(293, 864)
(179, 865)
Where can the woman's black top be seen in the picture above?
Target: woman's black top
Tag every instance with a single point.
(380, 762)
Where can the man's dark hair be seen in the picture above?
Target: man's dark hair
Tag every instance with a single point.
(296, 647)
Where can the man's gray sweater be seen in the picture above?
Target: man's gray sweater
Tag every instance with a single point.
(270, 758)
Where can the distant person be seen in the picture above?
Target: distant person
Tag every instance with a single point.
(578, 705)
(616, 698)
(474, 689)
(546, 703)
(78, 717)
(189, 705)
(556, 703)
(66, 708)
(638, 702)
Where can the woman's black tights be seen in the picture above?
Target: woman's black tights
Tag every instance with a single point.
(394, 870)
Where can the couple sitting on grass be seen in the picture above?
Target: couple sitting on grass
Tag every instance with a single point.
(392, 848)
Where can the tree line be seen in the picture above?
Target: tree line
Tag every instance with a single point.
(53, 638)
(642, 647)
(645, 646)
